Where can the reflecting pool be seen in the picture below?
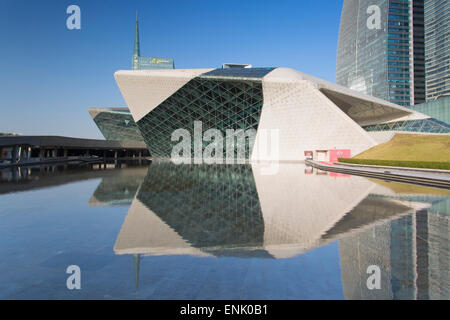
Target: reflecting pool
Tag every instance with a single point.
(165, 231)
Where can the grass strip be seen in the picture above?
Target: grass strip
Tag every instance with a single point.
(399, 163)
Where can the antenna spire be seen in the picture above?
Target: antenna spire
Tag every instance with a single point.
(136, 49)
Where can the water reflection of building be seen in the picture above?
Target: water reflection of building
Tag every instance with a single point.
(219, 210)
(412, 252)
(199, 210)
(118, 189)
(114, 176)
(236, 211)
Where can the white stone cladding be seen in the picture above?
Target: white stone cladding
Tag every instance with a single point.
(305, 120)
(143, 90)
(382, 136)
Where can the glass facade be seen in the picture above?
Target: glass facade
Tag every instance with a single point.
(425, 125)
(149, 63)
(245, 73)
(218, 99)
(399, 53)
(419, 51)
(117, 125)
(438, 109)
(437, 48)
(362, 56)
(381, 61)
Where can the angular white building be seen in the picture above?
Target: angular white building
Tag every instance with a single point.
(293, 113)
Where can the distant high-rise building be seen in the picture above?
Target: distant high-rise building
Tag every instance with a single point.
(418, 51)
(437, 48)
(118, 123)
(137, 47)
(381, 49)
(140, 63)
(397, 50)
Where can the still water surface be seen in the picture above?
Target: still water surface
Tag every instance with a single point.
(219, 232)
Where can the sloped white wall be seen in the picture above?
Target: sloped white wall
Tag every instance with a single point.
(143, 90)
(305, 120)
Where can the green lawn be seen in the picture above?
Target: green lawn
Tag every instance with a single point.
(400, 163)
(408, 150)
(411, 147)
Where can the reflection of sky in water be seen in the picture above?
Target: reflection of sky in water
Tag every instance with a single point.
(223, 232)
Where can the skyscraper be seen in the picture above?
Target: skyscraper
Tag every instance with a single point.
(437, 48)
(140, 63)
(136, 48)
(418, 51)
(380, 49)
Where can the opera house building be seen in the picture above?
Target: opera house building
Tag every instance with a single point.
(116, 124)
(308, 114)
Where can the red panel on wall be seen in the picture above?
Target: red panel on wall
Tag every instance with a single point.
(338, 175)
(339, 153)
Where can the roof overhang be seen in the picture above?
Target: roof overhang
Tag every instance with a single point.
(362, 108)
(95, 111)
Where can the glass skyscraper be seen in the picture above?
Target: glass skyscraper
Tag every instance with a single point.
(397, 50)
(437, 48)
(380, 49)
(141, 63)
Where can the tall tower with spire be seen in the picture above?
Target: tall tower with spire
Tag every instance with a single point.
(136, 50)
(142, 63)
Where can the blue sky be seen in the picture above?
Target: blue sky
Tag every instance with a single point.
(50, 76)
